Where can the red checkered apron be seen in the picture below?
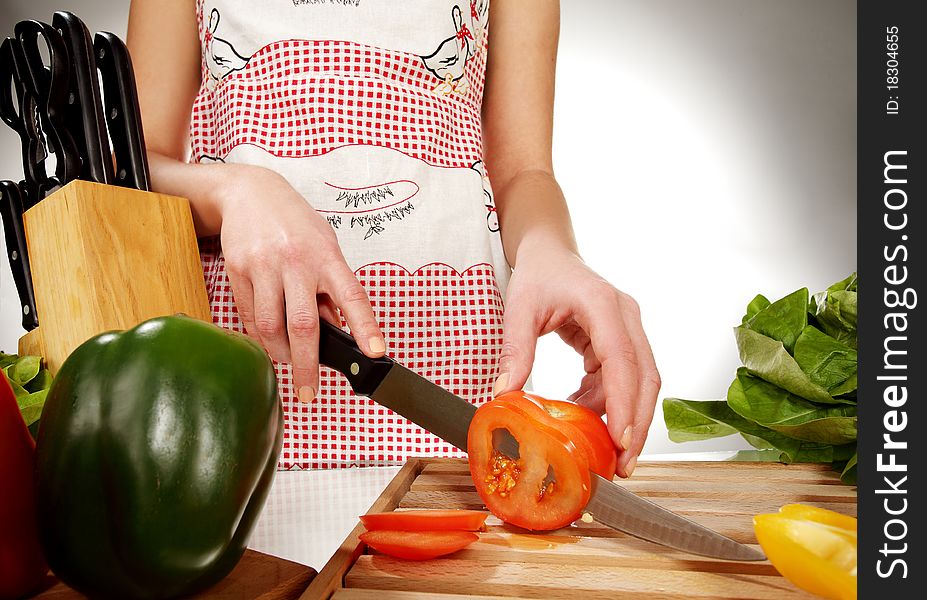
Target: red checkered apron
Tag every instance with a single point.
(371, 110)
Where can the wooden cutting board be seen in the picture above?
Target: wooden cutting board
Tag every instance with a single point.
(587, 561)
(257, 576)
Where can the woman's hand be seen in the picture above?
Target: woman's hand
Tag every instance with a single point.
(552, 289)
(286, 268)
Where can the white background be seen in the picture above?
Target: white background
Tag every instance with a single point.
(708, 152)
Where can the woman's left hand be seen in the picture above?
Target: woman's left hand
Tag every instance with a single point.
(552, 289)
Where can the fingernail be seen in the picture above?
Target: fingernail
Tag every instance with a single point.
(629, 468)
(377, 345)
(502, 382)
(306, 394)
(626, 437)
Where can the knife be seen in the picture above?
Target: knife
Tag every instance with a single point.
(432, 407)
(120, 104)
(85, 108)
(11, 210)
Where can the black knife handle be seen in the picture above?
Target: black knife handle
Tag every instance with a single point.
(339, 351)
(120, 103)
(85, 108)
(48, 87)
(11, 209)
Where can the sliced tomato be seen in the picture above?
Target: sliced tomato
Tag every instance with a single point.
(520, 491)
(418, 545)
(588, 430)
(814, 548)
(426, 520)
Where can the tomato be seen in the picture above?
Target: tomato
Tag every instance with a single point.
(590, 431)
(812, 547)
(518, 490)
(418, 545)
(426, 520)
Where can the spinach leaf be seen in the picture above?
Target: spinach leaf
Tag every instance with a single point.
(848, 284)
(24, 370)
(794, 400)
(773, 407)
(769, 359)
(835, 313)
(30, 383)
(758, 303)
(827, 362)
(848, 475)
(784, 319)
(30, 405)
(689, 420)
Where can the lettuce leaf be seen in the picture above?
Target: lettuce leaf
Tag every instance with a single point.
(794, 398)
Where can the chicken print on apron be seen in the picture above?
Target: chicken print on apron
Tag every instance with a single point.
(371, 110)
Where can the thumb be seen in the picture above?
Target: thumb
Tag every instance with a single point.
(519, 340)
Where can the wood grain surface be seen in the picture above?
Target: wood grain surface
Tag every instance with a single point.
(257, 576)
(587, 560)
(105, 258)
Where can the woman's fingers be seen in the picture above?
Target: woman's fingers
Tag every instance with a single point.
(649, 388)
(302, 328)
(243, 294)
(328, 310)
(352, 298)
(269, 316)
(602, 319)
(519, 343)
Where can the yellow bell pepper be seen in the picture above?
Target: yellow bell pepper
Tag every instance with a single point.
(814, 548)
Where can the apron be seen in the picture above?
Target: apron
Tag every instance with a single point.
(371, 110)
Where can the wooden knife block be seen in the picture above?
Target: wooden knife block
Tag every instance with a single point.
(107, 258)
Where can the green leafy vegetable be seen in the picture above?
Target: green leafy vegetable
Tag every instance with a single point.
(784, 319)
(769, 359)
(758, 303)
(771, 406)
(828, 362)
(794, 400)
(30, 382)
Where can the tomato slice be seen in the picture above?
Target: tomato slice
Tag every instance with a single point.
(418, 545)
(519, 491)
(588, 430)
(426, 520)
(814, 548)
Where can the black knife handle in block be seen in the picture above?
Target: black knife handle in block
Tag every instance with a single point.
(120, 103)
(11, 209)
(339, 351)
(85, 108)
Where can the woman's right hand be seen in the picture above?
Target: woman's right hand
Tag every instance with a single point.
(282, 257)
(286, 268)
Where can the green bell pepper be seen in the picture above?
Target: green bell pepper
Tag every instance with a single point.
(156, 450)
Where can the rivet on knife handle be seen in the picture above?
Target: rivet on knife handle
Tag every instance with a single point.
(120, 98)
(339, 351)
(85, 108)
(11, 208)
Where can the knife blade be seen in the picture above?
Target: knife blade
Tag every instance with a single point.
(11, 210)
(120, 103)
(448, 416)
(85, 108)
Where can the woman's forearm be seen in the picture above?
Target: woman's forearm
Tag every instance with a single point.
(533, 213)
(205, 186)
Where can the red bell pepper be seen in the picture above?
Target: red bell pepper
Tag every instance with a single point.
(22, 567)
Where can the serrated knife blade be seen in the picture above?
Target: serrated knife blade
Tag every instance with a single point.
(433, 408)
